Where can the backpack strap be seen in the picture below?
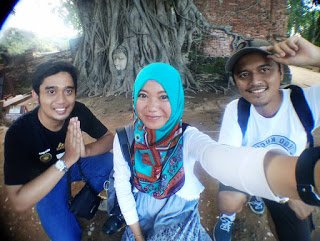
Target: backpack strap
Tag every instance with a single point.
(125, 135)
(184, 126)
(303, 111)
(243, 114)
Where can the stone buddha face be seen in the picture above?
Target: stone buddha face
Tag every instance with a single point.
(120, 58)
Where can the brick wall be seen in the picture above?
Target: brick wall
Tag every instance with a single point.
(265, 19)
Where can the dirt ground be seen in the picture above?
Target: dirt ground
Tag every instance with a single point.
(204, 111)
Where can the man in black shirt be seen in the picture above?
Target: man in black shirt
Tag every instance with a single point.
(46, 143)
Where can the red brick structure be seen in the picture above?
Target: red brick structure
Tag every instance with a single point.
(264, 19)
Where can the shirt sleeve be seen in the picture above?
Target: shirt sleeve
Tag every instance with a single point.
(122, 185)
(89, 122)
(231, 165)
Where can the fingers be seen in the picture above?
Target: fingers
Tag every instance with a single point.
(82, 148)
(278, 58)
(78, 141)
(286, 48)
(293, 43)
(73, 131)
(77, 134)
(73, 141)
(290, 51)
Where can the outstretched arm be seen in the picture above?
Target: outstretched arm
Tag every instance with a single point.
(295, 51)
(272, 176)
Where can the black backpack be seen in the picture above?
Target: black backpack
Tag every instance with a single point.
(299, 103)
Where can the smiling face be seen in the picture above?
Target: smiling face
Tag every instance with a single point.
(56, 98)
(153, 106)
(258, 80)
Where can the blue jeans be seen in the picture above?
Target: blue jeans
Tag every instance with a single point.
(57, 220)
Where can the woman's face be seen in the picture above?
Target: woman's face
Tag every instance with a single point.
(153, 106)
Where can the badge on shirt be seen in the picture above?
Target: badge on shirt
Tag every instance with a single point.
(45, 156)
(60, 146)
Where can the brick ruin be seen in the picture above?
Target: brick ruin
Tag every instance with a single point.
(262, 19)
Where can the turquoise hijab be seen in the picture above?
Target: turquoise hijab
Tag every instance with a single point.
(169, 78)
(157, 160)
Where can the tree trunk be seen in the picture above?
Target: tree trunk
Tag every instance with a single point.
(144, 31)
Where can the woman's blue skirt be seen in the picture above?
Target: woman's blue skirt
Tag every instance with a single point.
(172, 218)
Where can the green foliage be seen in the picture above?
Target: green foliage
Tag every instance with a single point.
(304, 18)
(16, 41)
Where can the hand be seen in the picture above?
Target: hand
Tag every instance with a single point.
(295, 51)
(136, 229)
(139, 238)
(301, 209)
(73, 142)
(83, 148)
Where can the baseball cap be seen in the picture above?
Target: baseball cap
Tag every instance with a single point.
(252, 46)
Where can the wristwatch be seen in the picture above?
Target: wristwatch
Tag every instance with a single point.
(305, 175)
(61, 166)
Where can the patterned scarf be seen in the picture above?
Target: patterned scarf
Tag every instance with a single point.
(158, 160)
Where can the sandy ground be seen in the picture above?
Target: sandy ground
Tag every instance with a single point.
(203, 111)
(305, 77)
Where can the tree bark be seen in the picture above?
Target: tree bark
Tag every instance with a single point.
(146, 30)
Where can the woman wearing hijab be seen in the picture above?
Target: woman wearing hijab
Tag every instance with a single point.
(163, 204)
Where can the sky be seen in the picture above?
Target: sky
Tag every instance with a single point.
(37, 16)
